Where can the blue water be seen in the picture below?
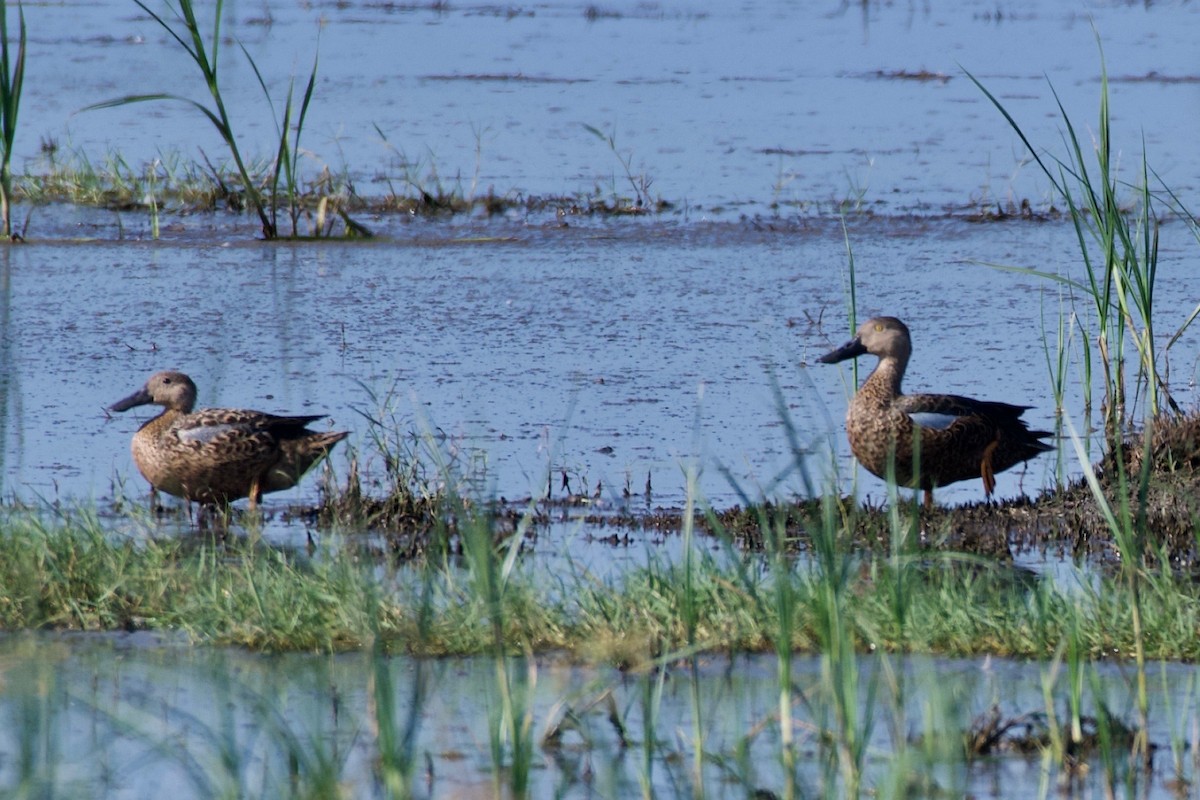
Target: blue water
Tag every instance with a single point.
(127, 716)
(612, 359)
(727, 108)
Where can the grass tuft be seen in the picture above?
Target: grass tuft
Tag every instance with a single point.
(1118, 242)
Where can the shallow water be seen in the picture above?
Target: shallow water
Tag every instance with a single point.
(158, 715)
(612, 358)
(726, 107)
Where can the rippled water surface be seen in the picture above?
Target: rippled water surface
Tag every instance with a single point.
(609, 350)
(194, 723)
(726, 107)
(612, 356)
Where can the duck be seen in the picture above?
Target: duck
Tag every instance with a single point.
(927, 440)
(215, 456)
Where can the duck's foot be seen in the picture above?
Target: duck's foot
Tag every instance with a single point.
(214, 518)
(986, 471)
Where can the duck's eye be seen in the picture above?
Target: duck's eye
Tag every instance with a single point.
(167, 380)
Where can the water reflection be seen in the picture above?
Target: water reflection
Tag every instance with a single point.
(132, 716)
(9, 387)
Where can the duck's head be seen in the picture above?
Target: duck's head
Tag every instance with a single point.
(885, 337)
(169, 389)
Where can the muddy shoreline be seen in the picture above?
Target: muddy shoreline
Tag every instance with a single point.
(1160, 496)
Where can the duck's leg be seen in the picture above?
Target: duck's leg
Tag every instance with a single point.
(986, 471)
(255, 495)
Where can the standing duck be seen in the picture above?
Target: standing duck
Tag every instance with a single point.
(956, 438)
(218, 455)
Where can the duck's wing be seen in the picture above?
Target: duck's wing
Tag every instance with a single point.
(213, 423)
(965, 423)
(227, 436)
(940, 411)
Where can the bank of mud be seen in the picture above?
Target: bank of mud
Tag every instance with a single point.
(1153, 486)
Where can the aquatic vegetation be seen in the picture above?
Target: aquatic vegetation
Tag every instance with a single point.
(641, 202)
(67, 175)
(288, 154)
(470, 591)
(12, 79)
(427, 193)
(415, 561)
(424, 189)
(205, 56)
(1119, 248)
(328, 730)
(419, 486)
(284, 167)
(70, 571)
(172, 185)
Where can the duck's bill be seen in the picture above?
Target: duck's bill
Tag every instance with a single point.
(139, 398)
(850, 349)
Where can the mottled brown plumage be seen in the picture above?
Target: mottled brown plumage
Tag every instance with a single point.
(218, 455)
(956, 438)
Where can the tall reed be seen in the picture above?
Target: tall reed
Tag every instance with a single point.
(690, 611)
(288, 153)
(12, 79)
(511, 721)
(824, 606)
(1120, 256)
(1127, 523)
(1177, 719)
(780, 607)
(206, 56)
(396, 739)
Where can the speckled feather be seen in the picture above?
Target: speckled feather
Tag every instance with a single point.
(981, 439)
(218, 455)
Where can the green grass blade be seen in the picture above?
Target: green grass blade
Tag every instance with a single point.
(13, 83)
(1036, 273)
(142, 98)
(167, 27)
(1013, 123)
(308, 94)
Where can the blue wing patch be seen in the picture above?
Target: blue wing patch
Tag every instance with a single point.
(933, 419)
